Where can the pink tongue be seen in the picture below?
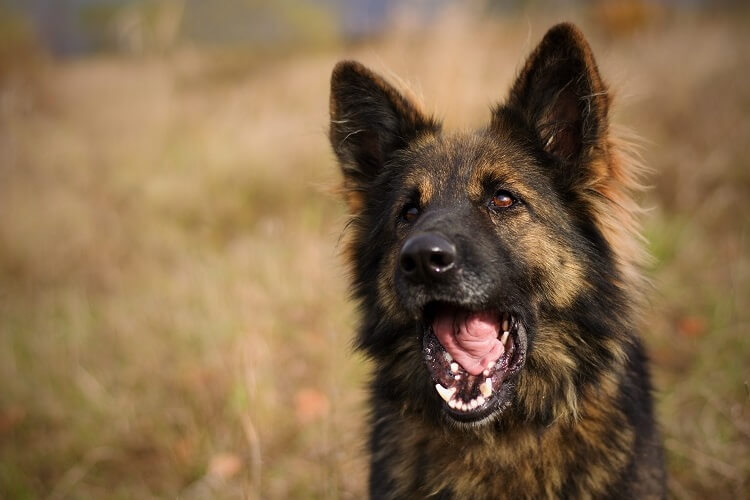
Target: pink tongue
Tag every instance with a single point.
(470, 337)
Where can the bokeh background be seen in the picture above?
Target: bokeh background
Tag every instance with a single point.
(174, 318)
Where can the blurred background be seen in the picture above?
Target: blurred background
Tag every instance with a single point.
(174, 318)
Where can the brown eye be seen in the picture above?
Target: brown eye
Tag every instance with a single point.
(502, 199)
(410, 213)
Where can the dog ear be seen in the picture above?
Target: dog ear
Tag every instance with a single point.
(561, 96)
(370, 120)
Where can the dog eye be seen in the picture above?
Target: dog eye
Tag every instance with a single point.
(410, 212)
(502, 199)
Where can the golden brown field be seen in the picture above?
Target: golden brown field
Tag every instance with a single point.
(173, 313)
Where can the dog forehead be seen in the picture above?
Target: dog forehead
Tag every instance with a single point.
(466, 163)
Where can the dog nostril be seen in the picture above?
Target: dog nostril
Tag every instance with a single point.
(408, 264)
(441, 261)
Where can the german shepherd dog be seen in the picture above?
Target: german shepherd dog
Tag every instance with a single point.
(497, 274)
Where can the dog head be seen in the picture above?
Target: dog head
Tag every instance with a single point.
(486, 252)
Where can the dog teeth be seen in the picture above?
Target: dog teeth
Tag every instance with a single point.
(455, 403)
(446, 394)
(506, 322)
(454, 367)
(504, 338)
(486, 388)
(448, 357)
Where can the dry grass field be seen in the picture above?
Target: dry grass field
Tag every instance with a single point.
(174, 318)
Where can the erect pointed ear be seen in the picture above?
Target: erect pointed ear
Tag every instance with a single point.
(561, 95)
(370, 120)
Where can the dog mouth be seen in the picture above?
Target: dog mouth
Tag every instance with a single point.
(472, 357)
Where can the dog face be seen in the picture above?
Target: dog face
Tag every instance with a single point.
(482, 254)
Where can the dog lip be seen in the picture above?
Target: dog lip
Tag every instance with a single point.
(472, 398)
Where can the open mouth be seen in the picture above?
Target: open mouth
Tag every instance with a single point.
(472, 357)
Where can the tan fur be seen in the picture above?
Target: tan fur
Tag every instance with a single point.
(613, 193)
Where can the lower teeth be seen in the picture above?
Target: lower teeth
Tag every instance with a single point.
(485, 388)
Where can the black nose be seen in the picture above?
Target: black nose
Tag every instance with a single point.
(427, 257)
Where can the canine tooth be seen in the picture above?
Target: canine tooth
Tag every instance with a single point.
(454, 367)
(504, 337)
(486, 388)
(446, 394)
(506, 322)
